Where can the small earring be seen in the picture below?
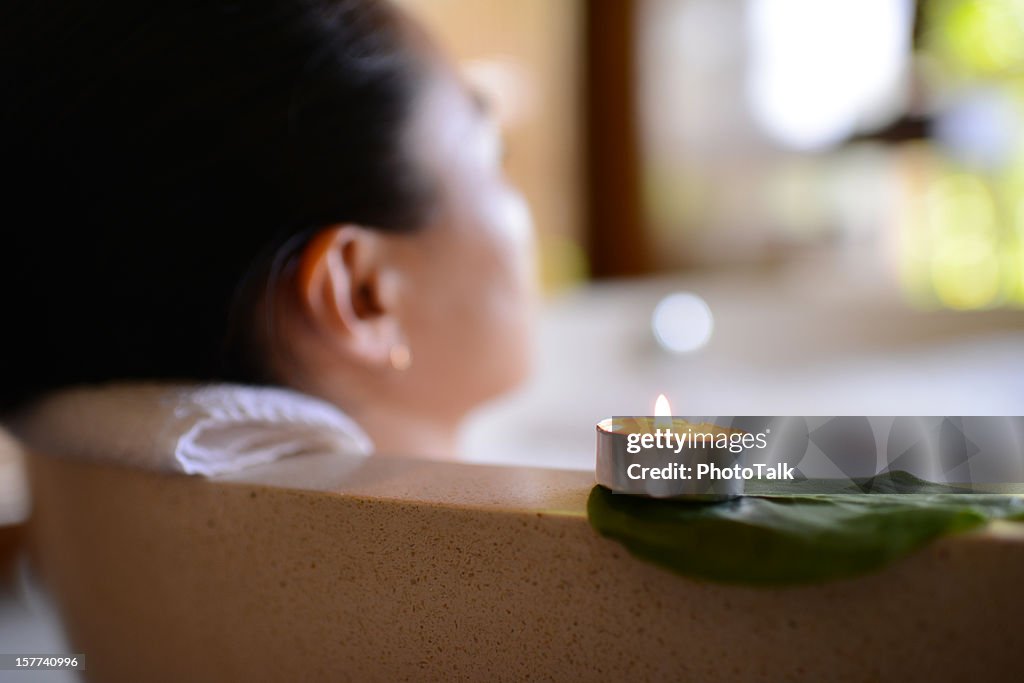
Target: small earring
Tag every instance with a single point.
(401, 357)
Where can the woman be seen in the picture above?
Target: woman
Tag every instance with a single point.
(291, 192)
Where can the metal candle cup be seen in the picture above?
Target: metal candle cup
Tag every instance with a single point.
(614, 460)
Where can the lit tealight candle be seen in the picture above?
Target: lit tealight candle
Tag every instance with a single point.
(662, 412)
(668, 457)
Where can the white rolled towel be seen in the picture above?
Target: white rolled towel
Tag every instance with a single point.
(196, 429)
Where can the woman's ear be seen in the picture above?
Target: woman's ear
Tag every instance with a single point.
(348, 293)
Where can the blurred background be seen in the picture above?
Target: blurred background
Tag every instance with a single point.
(758, 206)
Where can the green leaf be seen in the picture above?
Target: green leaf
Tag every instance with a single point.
(779, 536)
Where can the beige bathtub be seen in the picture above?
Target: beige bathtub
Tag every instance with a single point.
(317, 568)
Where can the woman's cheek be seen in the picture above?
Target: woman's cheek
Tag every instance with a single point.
(513, 238)
(516, 221)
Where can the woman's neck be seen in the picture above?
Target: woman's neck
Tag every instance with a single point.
(395, 433)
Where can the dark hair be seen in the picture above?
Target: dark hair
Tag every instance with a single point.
(164, 152)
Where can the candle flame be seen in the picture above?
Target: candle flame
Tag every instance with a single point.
(662, 407)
